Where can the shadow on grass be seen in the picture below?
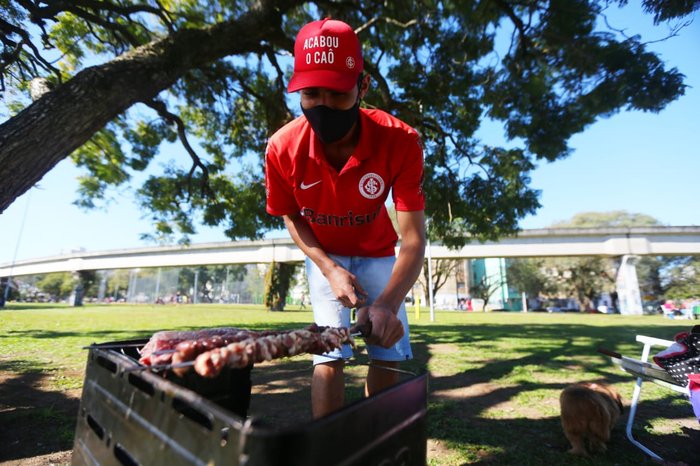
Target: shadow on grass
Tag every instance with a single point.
(459, 403)
(100, 336)
(106, 336)
(33, 421)
(32, 306)
(525, 441)
(458, 414)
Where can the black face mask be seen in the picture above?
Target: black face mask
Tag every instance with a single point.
(329, 124)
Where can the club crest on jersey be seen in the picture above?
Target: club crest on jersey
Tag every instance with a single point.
(371, 186)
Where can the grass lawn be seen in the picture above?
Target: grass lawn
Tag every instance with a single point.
(495, 378)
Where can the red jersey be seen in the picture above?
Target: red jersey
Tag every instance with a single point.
(346, 210)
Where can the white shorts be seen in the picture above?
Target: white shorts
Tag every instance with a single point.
(373, 274)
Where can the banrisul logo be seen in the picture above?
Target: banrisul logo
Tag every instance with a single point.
(371, 186)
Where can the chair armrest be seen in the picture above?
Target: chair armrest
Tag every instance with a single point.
(654, 341)
(649, 342)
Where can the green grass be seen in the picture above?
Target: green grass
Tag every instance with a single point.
(49, 338)
(495, 378)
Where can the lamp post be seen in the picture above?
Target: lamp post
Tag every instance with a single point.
(6, 292)
(430, 272)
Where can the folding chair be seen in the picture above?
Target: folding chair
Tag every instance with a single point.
(644, 370)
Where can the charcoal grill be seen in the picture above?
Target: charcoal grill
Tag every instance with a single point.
(129, 417)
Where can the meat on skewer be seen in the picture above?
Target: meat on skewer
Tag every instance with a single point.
(162, 346)
(240, 354)
(168, 340)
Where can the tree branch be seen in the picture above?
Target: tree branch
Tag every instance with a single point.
(119, 29)
(517, 22)
(8, 29)
(171, 118)
(74, 111)
(57, 6)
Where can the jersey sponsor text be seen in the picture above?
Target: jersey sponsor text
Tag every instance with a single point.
(349, 220)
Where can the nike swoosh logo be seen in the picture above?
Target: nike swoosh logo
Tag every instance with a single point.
(307, 186)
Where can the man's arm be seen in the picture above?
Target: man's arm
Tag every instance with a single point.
(344, 284)
(386, 327)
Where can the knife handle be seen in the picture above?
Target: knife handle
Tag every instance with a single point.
(607, 352)
(365, 330)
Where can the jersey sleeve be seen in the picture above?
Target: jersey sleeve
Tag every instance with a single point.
(278, 191)
(407, 191)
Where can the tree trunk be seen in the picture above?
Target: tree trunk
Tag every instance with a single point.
(47, 131)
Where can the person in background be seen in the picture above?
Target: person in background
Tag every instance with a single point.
(669, 308)
(328, 174)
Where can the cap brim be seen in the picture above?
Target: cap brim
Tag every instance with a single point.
(328, 79)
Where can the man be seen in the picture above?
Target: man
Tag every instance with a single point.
(328, 174)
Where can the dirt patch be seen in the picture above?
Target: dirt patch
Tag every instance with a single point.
(281, 393)
(59, 458)
(438, 449)
(436, 348)
(470, 391)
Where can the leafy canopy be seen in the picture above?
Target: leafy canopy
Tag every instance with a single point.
(544, 70)
(610, 219)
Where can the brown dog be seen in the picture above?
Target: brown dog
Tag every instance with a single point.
(588, 413)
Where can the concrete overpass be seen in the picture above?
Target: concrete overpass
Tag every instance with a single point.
(609, 242)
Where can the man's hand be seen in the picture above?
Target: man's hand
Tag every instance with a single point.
(346, 287)
(387, 329)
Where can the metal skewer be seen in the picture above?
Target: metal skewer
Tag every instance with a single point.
(356, 330)
(182, 365)
(114, 346)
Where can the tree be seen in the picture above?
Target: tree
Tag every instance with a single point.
(442, 269)
(528, 277)
(9, 290)
(682, 279)
(252, 287)
(649, 275)
(58, 284)
(118, 283)
(83, 284)
(586, 278)
(208, 277)
(486, 287)
(227, 274)
(611, 219)
(119, 79)
(278, 280)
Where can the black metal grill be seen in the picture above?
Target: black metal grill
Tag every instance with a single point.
(132, 418)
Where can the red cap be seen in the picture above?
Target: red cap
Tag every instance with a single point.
(327, 53)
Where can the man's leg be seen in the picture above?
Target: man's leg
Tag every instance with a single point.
(378, 379)
(374, 273)
(327, 382)
(327, 388)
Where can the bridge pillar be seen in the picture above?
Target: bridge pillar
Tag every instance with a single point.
(101, 291)
(76, 296)
(629, 296)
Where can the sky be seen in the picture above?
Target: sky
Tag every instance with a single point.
(638, 162)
